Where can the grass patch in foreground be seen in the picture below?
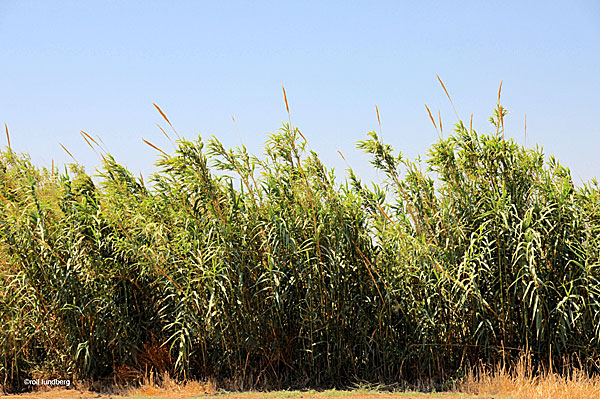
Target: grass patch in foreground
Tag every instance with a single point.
(332, 393)
(499, 383)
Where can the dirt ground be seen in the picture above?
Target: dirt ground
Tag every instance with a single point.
(147, 393)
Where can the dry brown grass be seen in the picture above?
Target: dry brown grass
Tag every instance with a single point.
(500, 384)
(520, 382)
(169, 388)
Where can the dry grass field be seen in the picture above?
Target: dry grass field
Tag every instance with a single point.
(256, 395)
(519, 384)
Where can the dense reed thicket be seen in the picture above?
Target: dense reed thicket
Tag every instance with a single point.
(265, 271)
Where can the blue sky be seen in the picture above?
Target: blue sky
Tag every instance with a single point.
(99, 65)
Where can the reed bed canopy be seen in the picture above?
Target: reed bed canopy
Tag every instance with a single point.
(267, 271)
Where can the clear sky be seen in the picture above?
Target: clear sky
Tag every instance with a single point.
(99, 65)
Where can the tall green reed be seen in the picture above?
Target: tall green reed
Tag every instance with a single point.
(266, 272)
